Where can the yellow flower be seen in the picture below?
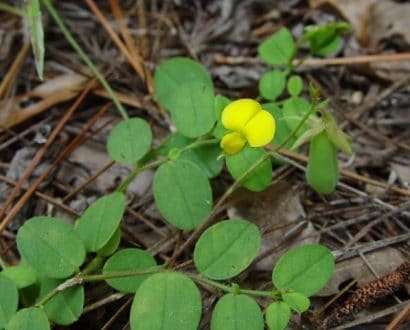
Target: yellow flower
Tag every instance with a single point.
(249, 123)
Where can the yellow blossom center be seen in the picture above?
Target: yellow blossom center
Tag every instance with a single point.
(249, 123)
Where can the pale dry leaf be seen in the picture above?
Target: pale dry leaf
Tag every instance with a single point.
(383, 262)
(70, 83)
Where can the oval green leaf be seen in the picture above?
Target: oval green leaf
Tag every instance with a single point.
(305, 269)
(206, 157)
(50, 246)
(129, 141)
(277, 315)
(100, 221)
(299, 302)
(174, 72)
(282, 129)
(260, 178)
(66, 306)
(278, 49)
(112, 245)
(227, 248)
(128, 260)
(237, 312)
(33, 318)
(22, 275)
(272, 84)
(295, 85)
(9, 298)
(166, 302)
(294, 109)
(322, 172)
(182, 193)
(194, 113)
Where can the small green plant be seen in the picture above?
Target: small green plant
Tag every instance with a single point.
(211, 131)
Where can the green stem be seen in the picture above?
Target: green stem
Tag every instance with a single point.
(138, 169)
(84, 57)
(12, 10)
(81, 278)
(124, 185)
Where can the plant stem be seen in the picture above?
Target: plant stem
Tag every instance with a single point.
(138, 169)
(124, 185)
(81, 278)
(84, 57)
(10, 9)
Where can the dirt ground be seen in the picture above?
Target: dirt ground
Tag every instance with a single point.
(53, 158)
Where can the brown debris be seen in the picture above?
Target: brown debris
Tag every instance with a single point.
(368, 295)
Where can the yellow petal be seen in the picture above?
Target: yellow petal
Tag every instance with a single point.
(260, 130)
(232, 143)
(237, 113)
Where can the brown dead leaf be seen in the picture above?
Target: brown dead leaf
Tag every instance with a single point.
(274, 211)
(383, 262)
(373, 20)
(51, 92)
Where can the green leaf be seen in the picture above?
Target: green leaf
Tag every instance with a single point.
(182, 193)
(341, 140)
(325, 39)
(22, 275)
(236, 312)
(50, 246)
(33, 318)
(305, 269)
(227, 248)
(112, 245)
(128, 260)
(278, 49)
(66, 306)
(277, 316)
(206, 157)
(8, 300)
(272, 84)
(299, 302)
(295, 85)
(193, 112)
(99, 222)
(282, 129)
(260, 178)
(172, 73)
(35, 25)
(293, 110)
(322, 172)
(166, 302)
(220, 103)
(129, 141)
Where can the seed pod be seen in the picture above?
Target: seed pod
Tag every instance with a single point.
(322, 171)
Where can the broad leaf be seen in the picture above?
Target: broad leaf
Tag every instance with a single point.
(305, 269)
(182, 193)
(166, 302)
(100, 221)
(227, 248)
(50, 246)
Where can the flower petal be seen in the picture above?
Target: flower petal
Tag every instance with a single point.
(236, 114)
(232, 143)
(260, 130)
